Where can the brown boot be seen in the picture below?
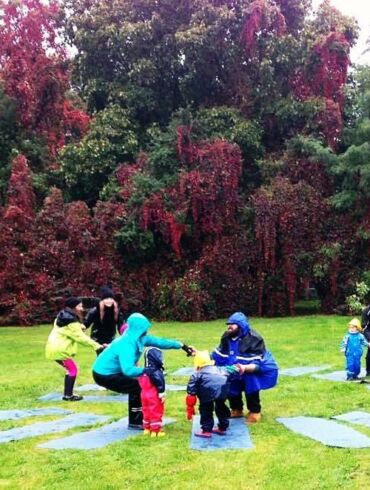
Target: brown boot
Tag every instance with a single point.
(253, 418)
(236, 414)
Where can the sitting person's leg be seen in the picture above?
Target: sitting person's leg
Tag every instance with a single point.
(254, 406)
(125, 385)
(235, 398)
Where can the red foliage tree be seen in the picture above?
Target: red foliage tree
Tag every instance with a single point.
(288, 222)
(324, 76)
(263, 19)
(35, 72)
(107, 264)
(16, 240)
(207, 194)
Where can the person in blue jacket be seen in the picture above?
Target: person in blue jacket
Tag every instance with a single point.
(116, 368)
(244, 347)
(352, 346)
(210, 385)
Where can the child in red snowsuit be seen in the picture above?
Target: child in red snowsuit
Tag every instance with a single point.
(153, 392)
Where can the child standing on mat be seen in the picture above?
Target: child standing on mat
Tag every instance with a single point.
(210, 384)
(153, 392)
(352, 346)
(62, 343)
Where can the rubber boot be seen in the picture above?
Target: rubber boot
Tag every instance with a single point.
(253, 418)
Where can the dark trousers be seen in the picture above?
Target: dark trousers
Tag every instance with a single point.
(123, 384)
(253, 402)
(206, 410)
(368, 363)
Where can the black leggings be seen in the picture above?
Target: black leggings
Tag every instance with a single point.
(253, 402)
(123, 384)
(206, 414)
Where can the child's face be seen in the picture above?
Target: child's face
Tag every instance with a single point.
(352, 329)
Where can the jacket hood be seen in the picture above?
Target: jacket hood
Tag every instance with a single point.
(153, 357)
(241, 320)
(138, 325)
(65, 317)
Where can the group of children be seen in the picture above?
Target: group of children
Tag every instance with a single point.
(210, 384)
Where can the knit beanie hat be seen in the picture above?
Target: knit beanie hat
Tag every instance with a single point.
(72, 302)
(106, 292)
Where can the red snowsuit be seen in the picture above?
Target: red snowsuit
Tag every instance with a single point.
(153, 405)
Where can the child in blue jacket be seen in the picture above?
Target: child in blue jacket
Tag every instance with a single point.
(352, 346)
(210, 384)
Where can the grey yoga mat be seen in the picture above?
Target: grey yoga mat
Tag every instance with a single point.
(328, 432)
(336, 375)
(358, 418)
(237, 437)
(185, 371)
(40, 428)
(302, 370)
(31, 412)
(97, 438)
(53, 397)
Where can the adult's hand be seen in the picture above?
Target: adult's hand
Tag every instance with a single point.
(189, 349)
(247, 368)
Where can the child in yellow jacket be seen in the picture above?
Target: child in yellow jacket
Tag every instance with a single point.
(62, 343)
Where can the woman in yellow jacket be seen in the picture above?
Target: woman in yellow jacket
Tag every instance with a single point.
(62, 343)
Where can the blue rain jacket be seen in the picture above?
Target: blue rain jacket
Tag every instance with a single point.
(353, 343)
(247, 348)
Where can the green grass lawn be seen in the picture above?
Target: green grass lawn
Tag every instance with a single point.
(280, 459)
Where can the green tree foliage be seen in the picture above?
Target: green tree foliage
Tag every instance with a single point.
(88, 164)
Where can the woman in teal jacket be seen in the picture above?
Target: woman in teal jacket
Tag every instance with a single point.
(116, 368)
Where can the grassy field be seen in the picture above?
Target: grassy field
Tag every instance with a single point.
(279, 460)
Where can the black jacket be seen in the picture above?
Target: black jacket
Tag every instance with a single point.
(365, 322)
(104, 331)
(252, 343)
(65, 317)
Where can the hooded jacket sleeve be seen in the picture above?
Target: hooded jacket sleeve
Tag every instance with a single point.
(192, 388)
(364, 341)
(161, 343)
(74, 332)
(127, 362)
(343, 344)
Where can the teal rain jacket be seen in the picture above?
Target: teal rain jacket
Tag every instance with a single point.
(122, 355)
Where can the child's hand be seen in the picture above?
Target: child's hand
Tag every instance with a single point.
(342, 350)
(162, 396)
(191, 400)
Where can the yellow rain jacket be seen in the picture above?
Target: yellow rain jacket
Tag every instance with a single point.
(66, 335)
